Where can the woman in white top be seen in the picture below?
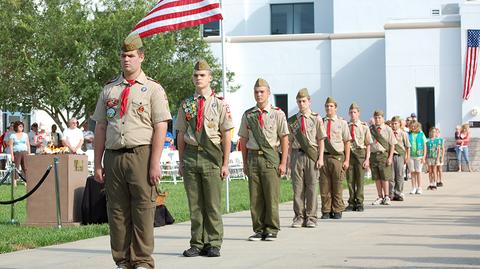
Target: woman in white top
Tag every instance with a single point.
(19, 148)
(73, 137)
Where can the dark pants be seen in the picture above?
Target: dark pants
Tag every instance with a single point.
(19, 160)
(331, 176)
(130, 206)
(355, 178)
(203, 185)
(264, 187)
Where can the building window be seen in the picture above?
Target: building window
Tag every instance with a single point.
(281, 101)
(211, 29)
(292, 18)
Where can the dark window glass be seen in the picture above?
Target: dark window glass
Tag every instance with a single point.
(211, 29)
(292, 18)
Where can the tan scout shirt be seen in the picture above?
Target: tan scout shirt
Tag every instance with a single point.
(314, 129)
(216, 119)
(402, 139)
(363, 137)
(339, 132)
(275, 127)
(147, 105)
(387, 133)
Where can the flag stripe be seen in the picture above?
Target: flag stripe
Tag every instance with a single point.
(172, 3)
(176, 9)
(177, 26)
(179, 14)
(170, 24)
(471, 61)
(168, 15)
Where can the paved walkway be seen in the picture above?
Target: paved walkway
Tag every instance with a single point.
(439, 229)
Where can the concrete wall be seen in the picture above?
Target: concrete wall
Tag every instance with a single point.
(424, 58)
(371, 15)
(252, 17)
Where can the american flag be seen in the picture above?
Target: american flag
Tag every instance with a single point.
(169, 15)
(473, 43)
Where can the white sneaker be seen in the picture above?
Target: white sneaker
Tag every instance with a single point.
(419, 191)
(386, 201)
(378, 201)
(414, 190)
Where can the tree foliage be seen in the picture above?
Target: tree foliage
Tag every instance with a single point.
(56, 55)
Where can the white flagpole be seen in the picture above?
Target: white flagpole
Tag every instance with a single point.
(224, 89)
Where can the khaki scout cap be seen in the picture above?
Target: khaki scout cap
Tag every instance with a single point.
(378, 113)
(202, 65)
(132, 42)
(396, 118)
(330, 100)
(303, 93)
(261, 83)
(354, 106)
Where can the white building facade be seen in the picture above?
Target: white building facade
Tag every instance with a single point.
(400, 56)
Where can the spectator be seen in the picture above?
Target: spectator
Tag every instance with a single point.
(438, 167)
(462, 149)
(418, 152)
(73, 137)
(5, 137)
(19, 147)
(413, 116)
(42, 139)
(408, 121)
(432, 158)
(88, 137)
(168, 144)
(55, 137)
(32, 137)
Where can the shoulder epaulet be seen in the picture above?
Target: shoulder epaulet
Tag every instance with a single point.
(154, 80)
(364, 123)
(276, 108)
(219, 97)
(315, 114)
(250, 110)
(112, 80)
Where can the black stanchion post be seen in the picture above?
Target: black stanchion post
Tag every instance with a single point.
(12, 194)
(57, 193)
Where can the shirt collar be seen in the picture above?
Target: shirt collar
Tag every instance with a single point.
(333, 118)
(267, 109)
(142, 79)
(306, 114)
(207, 97)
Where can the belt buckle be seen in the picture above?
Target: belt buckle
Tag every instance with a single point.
(260, 152)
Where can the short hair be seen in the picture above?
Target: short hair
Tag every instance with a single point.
(16, 124)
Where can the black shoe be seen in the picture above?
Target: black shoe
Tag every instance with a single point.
(331, 215)
(325, 216)
(399, 198)
(192, 252)
(350, 208)
(257, 237)
(213, 252)
(337, 215)
(434, 188)
(270, 237)
(439, 184)
(359, 208)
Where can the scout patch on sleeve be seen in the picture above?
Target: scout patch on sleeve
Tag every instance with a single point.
(111, 102)
(111, 112)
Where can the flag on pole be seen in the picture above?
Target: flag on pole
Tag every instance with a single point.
(473, 44)
(169, 15)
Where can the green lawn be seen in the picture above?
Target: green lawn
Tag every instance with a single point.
(18, 237)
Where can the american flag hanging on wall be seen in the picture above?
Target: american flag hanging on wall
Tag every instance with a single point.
(169, 15)
(471, 63)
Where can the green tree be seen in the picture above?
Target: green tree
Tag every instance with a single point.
(57, 54)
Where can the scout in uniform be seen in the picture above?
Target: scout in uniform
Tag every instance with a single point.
(336, 159)
(359, 158)
(203, 125)
(306, 152)
(381, 158)
(131, 114)
(401, 155)
(263, 128)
